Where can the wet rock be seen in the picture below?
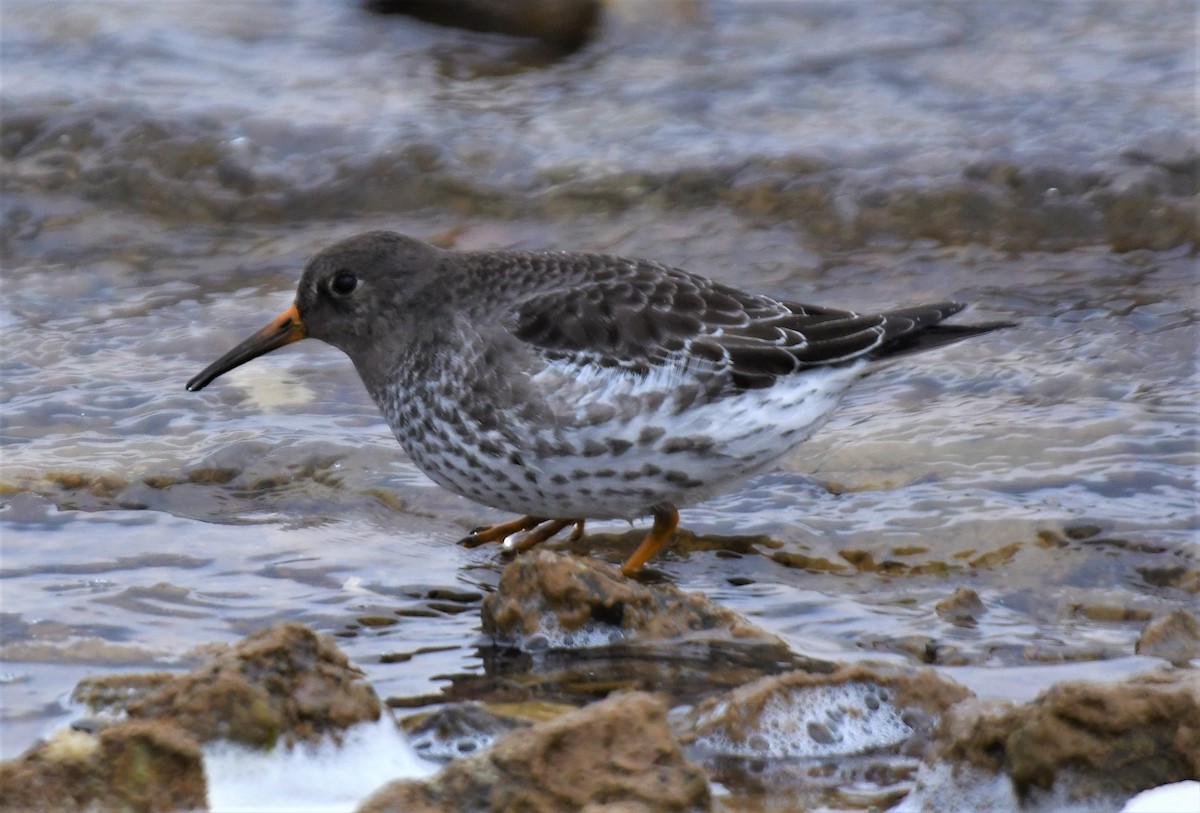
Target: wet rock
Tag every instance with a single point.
(520, 680)
(1140, 218)
(1175, 637)
(1171, 150)
(132, 767)
(456, 731)
(1111, 612)
(285, 682)
(922, 649)
(804, 562)
(573, 601)
(853, 710)
(684, 543)
(564, 24)
(614, 755)
(962, 607)
(1110, 739)
(1176, 577)
(112, 693)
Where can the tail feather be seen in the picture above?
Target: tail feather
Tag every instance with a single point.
(917, 329)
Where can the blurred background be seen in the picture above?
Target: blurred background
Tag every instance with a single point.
(169, 166)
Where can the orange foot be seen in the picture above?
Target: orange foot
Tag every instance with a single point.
(540, 529)
(547, 530)
(666, 520)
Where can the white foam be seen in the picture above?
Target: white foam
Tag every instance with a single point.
(443, 749)
(963, 787)
(1180, 797)
(551, 635)
(468, 729)
(311, 779)
(816, 721)
(945, 787)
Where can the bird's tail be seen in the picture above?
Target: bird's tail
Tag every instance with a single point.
(917, 329)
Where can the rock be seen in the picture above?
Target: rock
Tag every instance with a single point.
(1112, 739)
(614, 755)
(1175, 637)
(1169, 149)
(514, 682)
(285, 682)
(575, 601)
(457, 730)
(563, 24)
(132, 767)
(1110, 612)
(1175, 577)
(683, 544)
(921, 649)
(855, 709)
(962, 607)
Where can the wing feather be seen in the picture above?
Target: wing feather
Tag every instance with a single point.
(640, 315)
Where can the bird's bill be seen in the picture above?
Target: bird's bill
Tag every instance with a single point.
(288, 328)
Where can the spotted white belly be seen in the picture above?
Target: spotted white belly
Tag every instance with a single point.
(621, 443)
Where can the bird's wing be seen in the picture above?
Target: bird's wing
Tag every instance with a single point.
(644, 315)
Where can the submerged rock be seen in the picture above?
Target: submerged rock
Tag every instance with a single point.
(285, 682)
(557, 678)
(1174, 637)
(457, 730)
(134, 767)
(554, 600)
(1075, 740)
(962, 607)
(614, 755)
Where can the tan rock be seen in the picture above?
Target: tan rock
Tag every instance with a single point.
(1174, 637)
(1117, 738)
(856, 708)
(616, 755)
(550, 594)
(132, 767)
(963, 606)
(286, 682)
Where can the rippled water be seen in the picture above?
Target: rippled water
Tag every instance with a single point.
(169, 166)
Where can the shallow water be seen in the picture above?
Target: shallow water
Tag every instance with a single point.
(168, 167)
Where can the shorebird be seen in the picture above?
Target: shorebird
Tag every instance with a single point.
(572, 386)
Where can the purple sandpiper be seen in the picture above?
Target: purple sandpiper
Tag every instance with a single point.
(573, 386)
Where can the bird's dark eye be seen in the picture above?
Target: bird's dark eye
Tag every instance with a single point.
(343, 283)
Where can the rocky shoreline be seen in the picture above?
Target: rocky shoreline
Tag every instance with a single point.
(635, 697)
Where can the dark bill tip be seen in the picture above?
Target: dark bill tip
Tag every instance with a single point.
(286, 329)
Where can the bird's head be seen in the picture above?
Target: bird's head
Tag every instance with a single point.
(348, 293)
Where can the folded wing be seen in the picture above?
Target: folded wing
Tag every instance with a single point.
(643, 315)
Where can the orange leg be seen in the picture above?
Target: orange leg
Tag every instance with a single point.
(543, 532)
(578, 532)
(498, 533)
(666, 519)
